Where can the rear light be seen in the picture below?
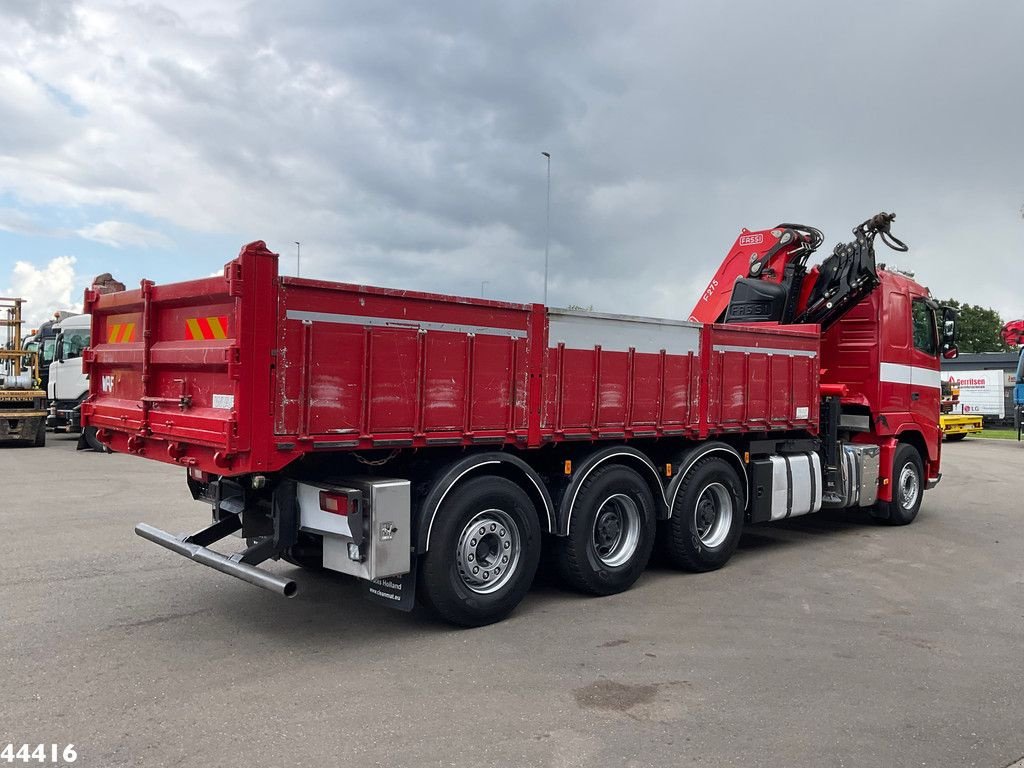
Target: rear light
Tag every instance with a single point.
(198, 475)
(335, 503)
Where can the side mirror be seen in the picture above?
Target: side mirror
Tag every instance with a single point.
(949, 328)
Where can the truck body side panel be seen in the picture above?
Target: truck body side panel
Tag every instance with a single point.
(249, 371)
(371, 364)
(619, 376)
(761, 378)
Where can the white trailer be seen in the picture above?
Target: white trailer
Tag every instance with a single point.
(981, 392)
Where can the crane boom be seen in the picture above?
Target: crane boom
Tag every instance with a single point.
(764, 277)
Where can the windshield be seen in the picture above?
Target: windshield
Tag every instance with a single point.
(49, 345)
(73, 342)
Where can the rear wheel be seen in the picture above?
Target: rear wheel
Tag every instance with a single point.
(956, 438)
(40, 440)
(611, 532)
(484, 550)
(89, 435)
(707, 518)
(907, 488)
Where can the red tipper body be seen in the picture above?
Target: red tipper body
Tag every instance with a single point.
(249, 371)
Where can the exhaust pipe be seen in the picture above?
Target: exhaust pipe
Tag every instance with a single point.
(217, 561)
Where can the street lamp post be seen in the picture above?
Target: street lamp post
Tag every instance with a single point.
(547, 228)
(298, 257)
(483, 284)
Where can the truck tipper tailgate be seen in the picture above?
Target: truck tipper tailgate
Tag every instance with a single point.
(173, 368)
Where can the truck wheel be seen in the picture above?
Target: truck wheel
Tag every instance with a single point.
(956, 438)
(611, 533)
(907, 488)
(484, 550)
(707, 518)
(40, 435)
(89, 436)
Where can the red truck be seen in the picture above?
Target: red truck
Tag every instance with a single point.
(432, 446)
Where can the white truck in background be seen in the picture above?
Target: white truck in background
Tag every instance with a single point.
(68, 385)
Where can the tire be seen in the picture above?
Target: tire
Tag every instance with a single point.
(611, 533)
(707, 518)
(956, 438)
(89, 436)
(40, 440)
(472, 579)
(907, 488)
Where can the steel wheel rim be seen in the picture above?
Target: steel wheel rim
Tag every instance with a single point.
(909, 485)
(616, 533)
(488, 551)
(712, 515)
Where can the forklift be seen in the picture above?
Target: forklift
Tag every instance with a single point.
(22, 401)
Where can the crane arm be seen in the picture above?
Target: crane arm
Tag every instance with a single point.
(764, 255)
(763, 277)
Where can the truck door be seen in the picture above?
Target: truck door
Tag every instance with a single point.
(925, 391)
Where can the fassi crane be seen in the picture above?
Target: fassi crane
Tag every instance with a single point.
(764, 277)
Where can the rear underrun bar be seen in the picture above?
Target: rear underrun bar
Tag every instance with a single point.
(217, 561)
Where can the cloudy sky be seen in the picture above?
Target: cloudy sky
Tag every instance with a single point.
(400, 143)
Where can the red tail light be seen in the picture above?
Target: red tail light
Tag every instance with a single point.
(335, 503)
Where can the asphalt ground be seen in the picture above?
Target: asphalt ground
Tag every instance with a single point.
(827, 641)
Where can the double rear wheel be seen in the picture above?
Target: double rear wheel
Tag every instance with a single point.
(611, 532)
(484, 550)
(706, 518)
(485, 539)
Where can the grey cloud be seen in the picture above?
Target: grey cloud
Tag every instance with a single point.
(47, 17)
(401, 143)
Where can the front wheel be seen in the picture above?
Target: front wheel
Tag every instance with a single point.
(484, 551)
(907, 488)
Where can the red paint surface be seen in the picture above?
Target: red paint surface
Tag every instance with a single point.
(294, 387)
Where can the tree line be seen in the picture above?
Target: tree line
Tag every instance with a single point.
(979, 328)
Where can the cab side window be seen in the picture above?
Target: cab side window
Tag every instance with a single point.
(924, 327)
